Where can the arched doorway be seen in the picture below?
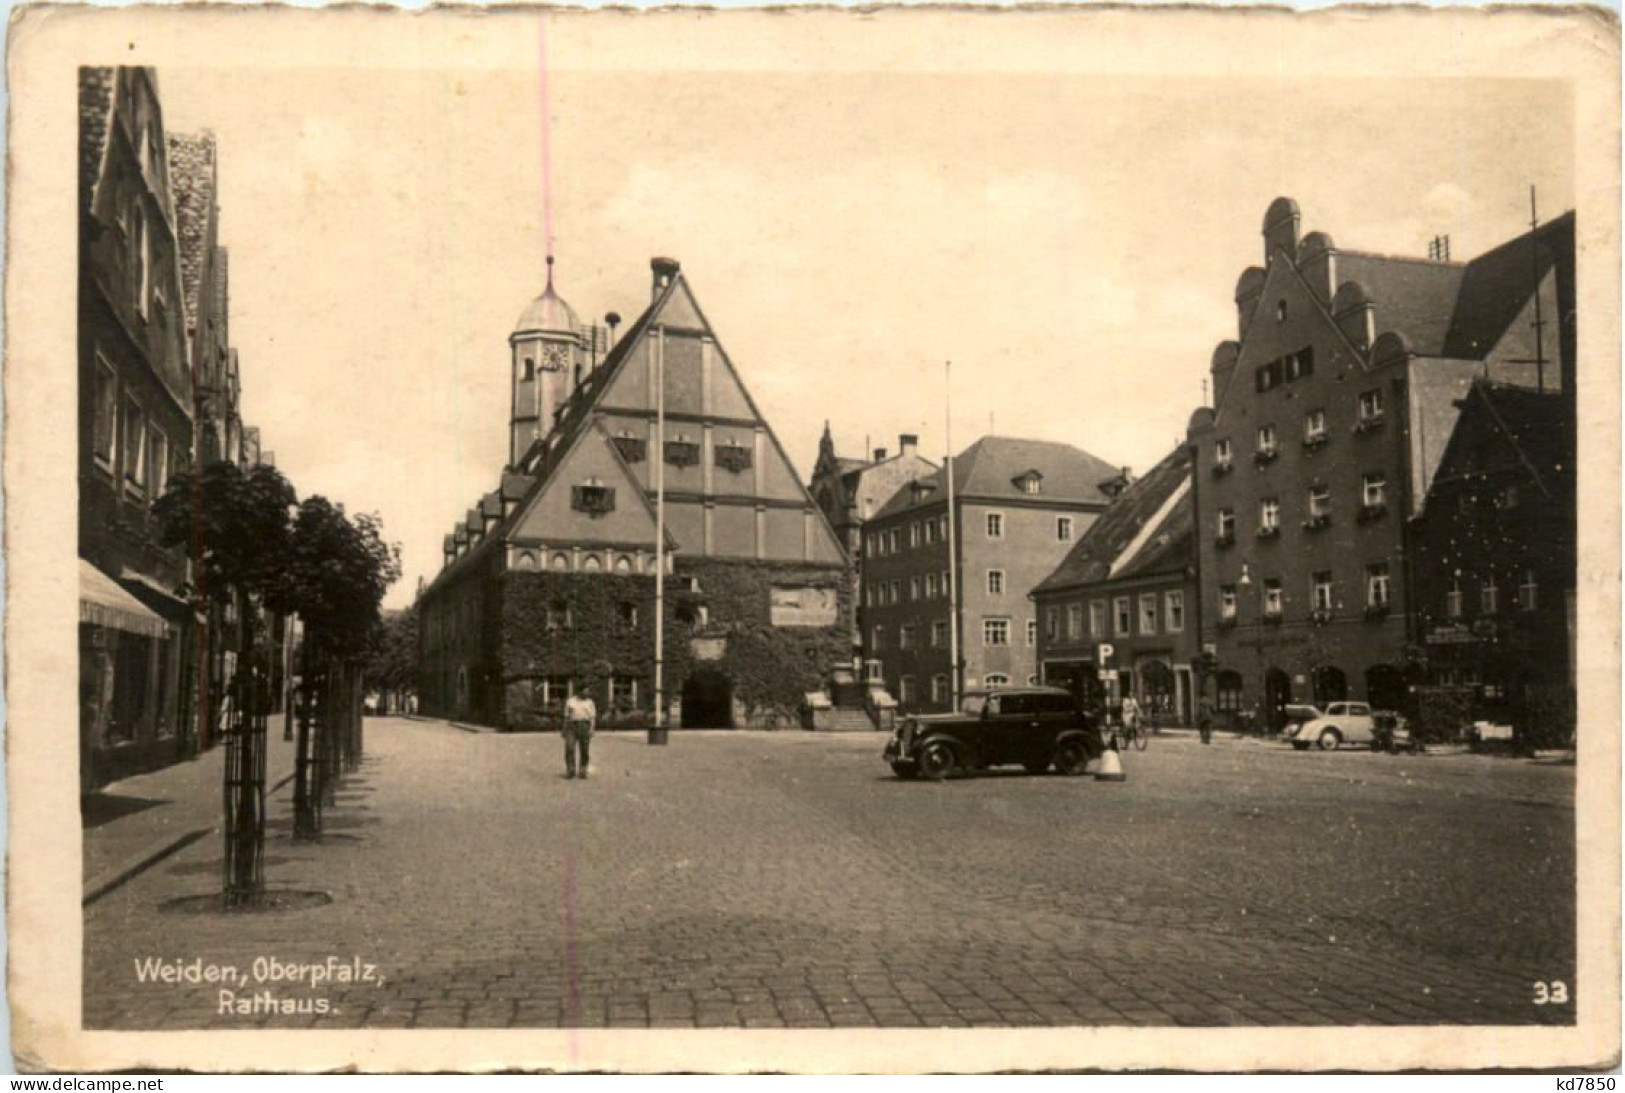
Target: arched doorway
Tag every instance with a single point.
(1157, 688)
(1385, 687)
(1277, 693)
(1330, 685)
(708, 700)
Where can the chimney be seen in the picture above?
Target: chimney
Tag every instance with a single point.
(612, 320)
(880, 454)
(906, 443)
(665, 269)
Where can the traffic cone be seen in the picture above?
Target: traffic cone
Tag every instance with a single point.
(1111, 767)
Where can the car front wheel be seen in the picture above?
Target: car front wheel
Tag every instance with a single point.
(1071, 757)
(937, 761)
(1329, 739)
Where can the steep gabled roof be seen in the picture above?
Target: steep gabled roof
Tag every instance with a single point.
(1124, 525)
(989, 470)
(192, 180)
(1500, 282)
(96, 85)
(1412, 296)
(1534, 428)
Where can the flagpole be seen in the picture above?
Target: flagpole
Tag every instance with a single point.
(955, 679)
(657, 734)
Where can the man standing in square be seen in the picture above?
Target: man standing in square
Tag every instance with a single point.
(580, 716)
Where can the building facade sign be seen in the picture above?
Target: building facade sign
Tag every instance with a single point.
(802, 606)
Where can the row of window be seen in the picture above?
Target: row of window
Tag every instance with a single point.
(1322, 593)
(1285, 369)
(621, 692)
(1123, 617)
(1489, 596)
(995, 633)
(930, 586)
(908, 688)
(1267, 444)
(1373, 501)
(935, 530)
(560, 562)
(125, 444)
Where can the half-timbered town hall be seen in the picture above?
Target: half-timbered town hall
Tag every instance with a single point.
(548, 583)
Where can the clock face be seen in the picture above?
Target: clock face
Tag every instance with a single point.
(555, 358)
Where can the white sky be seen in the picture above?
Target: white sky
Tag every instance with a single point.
(1071, 242)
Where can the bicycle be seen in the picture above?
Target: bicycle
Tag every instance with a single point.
(1136, 737)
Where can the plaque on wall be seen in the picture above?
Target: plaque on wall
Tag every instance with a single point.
(802, 606)
(708, 648)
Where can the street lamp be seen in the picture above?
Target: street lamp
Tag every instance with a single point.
(1246, 581)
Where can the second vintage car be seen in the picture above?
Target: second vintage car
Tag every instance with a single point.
(1351, 723)
(1037, 727)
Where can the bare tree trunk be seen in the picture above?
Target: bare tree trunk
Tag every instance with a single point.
(245, 771)
(307, 821)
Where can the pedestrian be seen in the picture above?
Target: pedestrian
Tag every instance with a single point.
(580, 717)
(1131, 716)
(1204, 719)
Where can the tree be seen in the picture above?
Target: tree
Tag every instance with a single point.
(393, 667)
(234, 526)
(337, 572)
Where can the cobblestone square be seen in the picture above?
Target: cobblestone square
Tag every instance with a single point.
(787, 880)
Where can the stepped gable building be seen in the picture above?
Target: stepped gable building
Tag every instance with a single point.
(1495, 561)
(548, 582)
(1019, 505)
(1128, 585)
(135, 425)
(849, 491)
(1330, 415)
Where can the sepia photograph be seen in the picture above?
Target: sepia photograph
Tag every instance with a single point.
(891, 541)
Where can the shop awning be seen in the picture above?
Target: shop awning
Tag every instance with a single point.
(102, 602)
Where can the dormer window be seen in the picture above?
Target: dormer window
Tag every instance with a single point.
(1280, 311)
(593, 498)
(633, 449)
(1032, 482)
(682, 452)
(732, 457)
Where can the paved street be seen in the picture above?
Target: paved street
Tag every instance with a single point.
(787, 879)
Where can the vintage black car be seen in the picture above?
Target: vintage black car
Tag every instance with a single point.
(1035, 726)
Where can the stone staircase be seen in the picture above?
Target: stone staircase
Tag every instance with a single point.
(849, 721)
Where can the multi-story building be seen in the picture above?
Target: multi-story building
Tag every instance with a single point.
(1330, 415)
(849, 491)
(1127, 590)
(1019, 506)
(135, 426)
(1495, 560)
(549, 581)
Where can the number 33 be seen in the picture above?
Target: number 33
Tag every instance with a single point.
(1555, 993)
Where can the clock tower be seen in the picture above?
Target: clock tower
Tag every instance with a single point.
(546, 344)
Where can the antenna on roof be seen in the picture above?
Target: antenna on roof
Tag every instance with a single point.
(1539, 360)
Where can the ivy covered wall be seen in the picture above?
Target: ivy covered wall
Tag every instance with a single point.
(590, 627)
